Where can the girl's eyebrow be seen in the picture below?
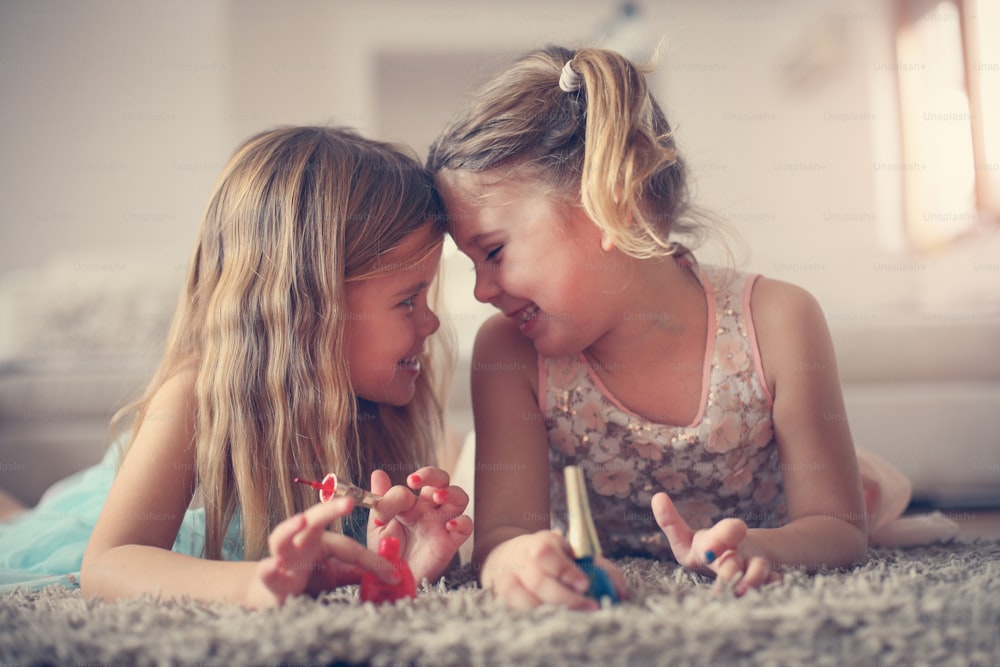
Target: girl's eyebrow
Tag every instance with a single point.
(478, 239)
(412, 289)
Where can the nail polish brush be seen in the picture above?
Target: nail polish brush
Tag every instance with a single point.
(331, 488)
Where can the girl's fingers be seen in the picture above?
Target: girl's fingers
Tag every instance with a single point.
(270, 572)
(321, 515)
(517, 596)
(678, 533)
(551, 577)
(617, 578)
(724, 535)
(380, 482)
(400, 501)
(280, 539)
(460, 528)
(340, 574)
(554, 591)
(343, 548)
(300, 531)
(451, 497)
(757, 573)
(552, 558)
(428, 476)
(728, 566)
(395, 500)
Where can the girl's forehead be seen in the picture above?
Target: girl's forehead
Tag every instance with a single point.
(487, 188)
(415, 247)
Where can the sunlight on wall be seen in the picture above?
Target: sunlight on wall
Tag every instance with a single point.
(938, 165)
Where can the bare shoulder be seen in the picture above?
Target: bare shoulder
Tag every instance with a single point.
(791, 329)
(780, 303)
(176, 397)
(167, 427)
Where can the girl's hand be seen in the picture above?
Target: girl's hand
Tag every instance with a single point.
(430, 525)
(720, 549)
(306, 558)
(535, 569)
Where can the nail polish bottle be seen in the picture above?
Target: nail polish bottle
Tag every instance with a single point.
(582, 536)
(375, 590)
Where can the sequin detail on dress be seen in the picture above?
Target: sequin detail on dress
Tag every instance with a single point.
(724, 465)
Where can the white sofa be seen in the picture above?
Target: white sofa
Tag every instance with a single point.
(79, 338)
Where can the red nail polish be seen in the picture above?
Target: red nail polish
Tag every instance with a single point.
(441, 496)
(415, 479)
(377, 591)
(327, 488)
(378, 522)
(453, 524)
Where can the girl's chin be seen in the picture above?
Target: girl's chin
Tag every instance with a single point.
(549, 347)
(401, 392)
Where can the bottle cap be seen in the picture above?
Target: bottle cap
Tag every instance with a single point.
(388, 547)
(580, 530)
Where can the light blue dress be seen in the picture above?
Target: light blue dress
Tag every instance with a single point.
(45, 545)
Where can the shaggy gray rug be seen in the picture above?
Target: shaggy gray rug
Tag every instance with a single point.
(929, 606)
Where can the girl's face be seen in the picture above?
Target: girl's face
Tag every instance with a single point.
(538, 260)
(388, 322)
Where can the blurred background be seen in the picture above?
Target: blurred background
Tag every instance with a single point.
(851, 144)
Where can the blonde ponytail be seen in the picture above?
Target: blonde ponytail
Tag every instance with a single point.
(606, 144)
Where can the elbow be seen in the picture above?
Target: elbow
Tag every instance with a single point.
(90, 577)
(87, 577)
(859, 553)
(855, 544)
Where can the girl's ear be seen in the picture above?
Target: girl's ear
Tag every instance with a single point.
(607, 241)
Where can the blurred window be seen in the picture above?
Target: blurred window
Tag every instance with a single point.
(948, 72)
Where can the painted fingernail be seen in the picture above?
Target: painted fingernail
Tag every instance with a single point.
(378, 522)
(453, 524)
(441, 496)
(709, 556)
(415, 479)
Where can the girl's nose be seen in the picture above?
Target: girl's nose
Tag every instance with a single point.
(486, 289)
(430, 323)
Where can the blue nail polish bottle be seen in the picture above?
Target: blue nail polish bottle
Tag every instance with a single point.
(582, 536)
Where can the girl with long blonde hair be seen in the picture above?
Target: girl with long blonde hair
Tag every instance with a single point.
(301, 346)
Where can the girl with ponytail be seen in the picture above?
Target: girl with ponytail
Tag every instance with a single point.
(695, 398)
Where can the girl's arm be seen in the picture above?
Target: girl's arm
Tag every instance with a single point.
(827, 524)
(515, 553)
(129, 552)
(826, 511)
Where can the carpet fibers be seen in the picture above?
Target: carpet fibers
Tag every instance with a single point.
(937, 605)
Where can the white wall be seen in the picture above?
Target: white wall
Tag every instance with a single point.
(112, 127)
(117, 117)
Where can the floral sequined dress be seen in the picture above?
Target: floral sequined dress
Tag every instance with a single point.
(724, 464)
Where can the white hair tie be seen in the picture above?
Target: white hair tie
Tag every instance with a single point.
(569, 80)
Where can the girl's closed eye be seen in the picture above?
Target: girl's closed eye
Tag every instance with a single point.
(494, 254)
(409, 303)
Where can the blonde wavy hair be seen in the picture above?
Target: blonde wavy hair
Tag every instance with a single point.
(296, 215)
(607, 145)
